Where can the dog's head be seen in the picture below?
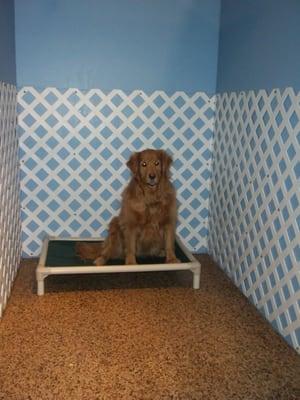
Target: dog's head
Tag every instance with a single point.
(150, 166)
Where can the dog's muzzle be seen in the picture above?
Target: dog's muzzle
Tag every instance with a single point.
(152, 180)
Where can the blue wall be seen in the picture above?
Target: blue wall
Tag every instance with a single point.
(126, 44)
(169, 45)
(7, 42)
(259, 45)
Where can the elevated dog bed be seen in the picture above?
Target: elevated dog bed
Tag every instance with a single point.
(58, 257)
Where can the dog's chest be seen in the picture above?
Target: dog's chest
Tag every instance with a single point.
(155, 212)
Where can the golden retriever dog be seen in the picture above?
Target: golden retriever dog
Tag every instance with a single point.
(147, 219)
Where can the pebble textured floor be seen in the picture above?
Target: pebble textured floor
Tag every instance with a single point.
(140, 336)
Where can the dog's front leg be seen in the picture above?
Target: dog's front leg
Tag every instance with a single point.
(130, 245)
(169, 244)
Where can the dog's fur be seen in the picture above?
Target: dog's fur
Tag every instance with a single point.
(146, 223)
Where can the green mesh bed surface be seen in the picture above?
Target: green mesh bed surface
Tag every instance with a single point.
(61, 253)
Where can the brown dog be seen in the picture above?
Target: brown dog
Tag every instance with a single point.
(147, 220)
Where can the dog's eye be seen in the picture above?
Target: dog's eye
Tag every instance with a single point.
(157, 163)
(143, 164)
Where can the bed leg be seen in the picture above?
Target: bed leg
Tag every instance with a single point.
(196, 277)
(40, 283)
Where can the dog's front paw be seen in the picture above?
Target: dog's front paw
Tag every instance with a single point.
(130, 260)
(99, 261)
(172, 260)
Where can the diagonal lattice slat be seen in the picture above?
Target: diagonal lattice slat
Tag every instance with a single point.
(10, 246)
(74, 146)
(255, 201)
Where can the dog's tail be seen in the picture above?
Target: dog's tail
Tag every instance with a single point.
(88, 250)
(102, 252)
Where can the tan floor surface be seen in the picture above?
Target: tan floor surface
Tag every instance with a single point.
(140, 336)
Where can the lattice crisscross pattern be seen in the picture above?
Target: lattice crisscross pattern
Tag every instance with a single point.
(255, 201)
(10, 246)
(74, 146)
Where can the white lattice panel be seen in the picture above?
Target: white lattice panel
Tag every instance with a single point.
(9, 193)
(255, 202)
(74, 146)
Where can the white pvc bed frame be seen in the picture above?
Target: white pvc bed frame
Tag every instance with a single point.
(43, 270)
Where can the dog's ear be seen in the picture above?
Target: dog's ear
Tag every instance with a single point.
(133, 163)
(166, 161)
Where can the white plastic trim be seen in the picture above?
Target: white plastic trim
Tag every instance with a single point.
(10, 226)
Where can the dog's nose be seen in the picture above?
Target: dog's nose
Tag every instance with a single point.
(152, 176)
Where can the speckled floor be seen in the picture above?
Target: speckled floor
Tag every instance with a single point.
(140, 336)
